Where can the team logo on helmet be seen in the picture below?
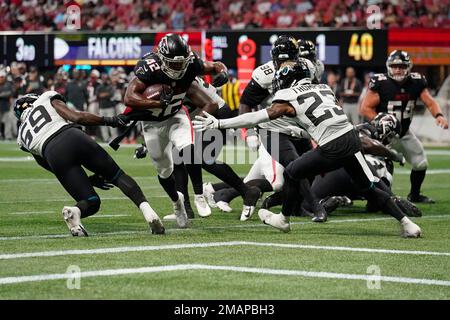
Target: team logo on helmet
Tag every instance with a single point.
(387, 126)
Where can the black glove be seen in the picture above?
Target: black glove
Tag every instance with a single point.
(165, 98)
(100, 182)
(220, 79)
(140, 152)
(117, 121)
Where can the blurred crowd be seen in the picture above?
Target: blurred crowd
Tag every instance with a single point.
(157, 15)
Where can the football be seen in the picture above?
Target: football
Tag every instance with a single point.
(154, 91)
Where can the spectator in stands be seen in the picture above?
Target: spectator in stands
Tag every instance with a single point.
(105, 93)
(7, 121)
(333, 83)
(349, 92)
(76, 92)
(34, 82)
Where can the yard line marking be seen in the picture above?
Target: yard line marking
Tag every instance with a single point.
(110, 215)
(70, 199)
(29, 212)
(11, 256)
(247, 225)
(16, 159)
(190, 267)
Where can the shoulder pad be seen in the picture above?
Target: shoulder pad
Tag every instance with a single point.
(415, 75)
(285, 95)
(263, 75)
(379, 77)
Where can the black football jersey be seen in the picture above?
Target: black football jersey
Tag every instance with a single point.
(148, 70)
(398, 98)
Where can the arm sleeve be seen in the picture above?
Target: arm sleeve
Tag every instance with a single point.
(254, 94)
(246, 120)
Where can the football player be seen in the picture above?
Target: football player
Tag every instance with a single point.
(47, 131)
(307, 50)
(396, 92)
(201, 93)
(166, 123)
(315, 109)
(336, 188)
(276, 135)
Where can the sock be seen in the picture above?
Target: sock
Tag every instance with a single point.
(220, 185)
(226, 174)
(181, 179)
(226, 195)
(193, 167)
(169, 186)
(147, 211)
(130, 188)
(290, 195)
(384, 201)
(416, 179)
(262, 184)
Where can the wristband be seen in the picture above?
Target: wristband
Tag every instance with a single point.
(438, 115)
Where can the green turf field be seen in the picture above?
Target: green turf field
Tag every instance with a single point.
(219, 257)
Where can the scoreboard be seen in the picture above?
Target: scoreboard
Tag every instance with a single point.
(365, 48)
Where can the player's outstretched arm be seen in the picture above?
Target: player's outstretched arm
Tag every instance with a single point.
(133, 96)
(86, 118)
(248, 120)
(369, 105)
(434, 108)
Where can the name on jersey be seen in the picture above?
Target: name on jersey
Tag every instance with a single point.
(307, 87)
(114, 48)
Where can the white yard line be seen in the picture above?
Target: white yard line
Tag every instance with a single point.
(11, 256)
(110, 215)
(190, 267)
(29, 212)
(238, 226)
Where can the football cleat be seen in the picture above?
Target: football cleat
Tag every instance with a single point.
(180, 212)
(247, 212)
(408, 208)
(420, 199)
(320, 215)
(208, 192)
(410, 229)
(157, 227)
(72, 217)
(224, 206)
(278, 221)
(201, 204)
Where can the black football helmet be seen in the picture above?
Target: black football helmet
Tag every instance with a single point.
(284, 48)
(175, 55)
(401, 59)
(387, 126)
(290, 74)
(307, 49)
(23, 103)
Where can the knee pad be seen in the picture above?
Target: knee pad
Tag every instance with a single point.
(422, 165)
(164, 172)
(89, 207)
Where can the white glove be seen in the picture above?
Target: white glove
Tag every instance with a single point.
(202, 123)
(298, 132)
(253, 142)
